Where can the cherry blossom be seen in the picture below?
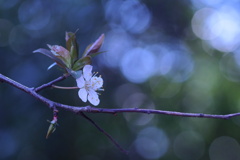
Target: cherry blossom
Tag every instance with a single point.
(89, 83)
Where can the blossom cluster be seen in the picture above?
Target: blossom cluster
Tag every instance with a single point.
(78, 66)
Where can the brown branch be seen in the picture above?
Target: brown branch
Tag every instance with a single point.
(77, 109)
(49, 84)
(154, 111)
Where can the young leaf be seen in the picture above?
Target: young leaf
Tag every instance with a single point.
(50, 55)
(61, 53)
(69, 38)
(79, 64)
(97, 53)
(73, 54)
(93, 48)
(45, 52)
(72, 46)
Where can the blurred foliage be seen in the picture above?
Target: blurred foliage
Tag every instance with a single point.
(156, 58)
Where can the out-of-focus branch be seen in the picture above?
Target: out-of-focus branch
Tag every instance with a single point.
(77, 109)
(105, 133)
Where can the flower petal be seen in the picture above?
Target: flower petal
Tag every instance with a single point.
(87, 72)
(80, 82)
(93, 97)
(82, 93)
(96, 82)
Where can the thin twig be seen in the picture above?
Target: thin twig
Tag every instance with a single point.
(104, 132)
(49, 84)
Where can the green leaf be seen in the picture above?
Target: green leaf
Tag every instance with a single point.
(69, 38)
(93, 48)
(72, 46)
(94, 54)
(79, 64)
(50, 55)
(87, 48)
(73, 54)
(61, 53)
(45, 52)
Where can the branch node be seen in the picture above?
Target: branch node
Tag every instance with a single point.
(88, 108)
(52, 106)
(226, 118)
(201, 115)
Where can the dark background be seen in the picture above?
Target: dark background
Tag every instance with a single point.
(168, 55)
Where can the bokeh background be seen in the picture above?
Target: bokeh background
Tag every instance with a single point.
(169, 55)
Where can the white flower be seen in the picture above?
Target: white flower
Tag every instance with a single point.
(89, 84)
